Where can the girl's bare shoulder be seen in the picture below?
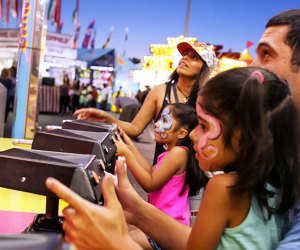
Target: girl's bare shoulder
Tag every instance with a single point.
(221, 181)
(175, 151)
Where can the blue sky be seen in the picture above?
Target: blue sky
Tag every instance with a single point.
(227, 22)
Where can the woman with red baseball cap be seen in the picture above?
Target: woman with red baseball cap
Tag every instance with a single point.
(183, 85)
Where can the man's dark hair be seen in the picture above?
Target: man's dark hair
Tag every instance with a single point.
(291, 18)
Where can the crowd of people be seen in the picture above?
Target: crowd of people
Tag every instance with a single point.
(246, 143)
(75, 96)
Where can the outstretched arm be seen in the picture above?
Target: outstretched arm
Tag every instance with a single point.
(173, 163)
(139, 123)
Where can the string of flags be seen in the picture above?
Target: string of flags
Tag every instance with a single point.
(12, 8)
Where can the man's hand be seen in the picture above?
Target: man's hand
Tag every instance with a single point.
(89, 226)
(130, 200)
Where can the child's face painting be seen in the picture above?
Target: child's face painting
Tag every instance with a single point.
(211, 152)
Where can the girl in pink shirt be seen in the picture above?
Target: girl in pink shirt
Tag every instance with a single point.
(176, 174)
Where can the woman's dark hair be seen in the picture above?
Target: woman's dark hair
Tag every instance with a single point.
(200, 80)
(186, 118)
(260, 106)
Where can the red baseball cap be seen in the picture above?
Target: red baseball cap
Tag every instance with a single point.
(205, 52)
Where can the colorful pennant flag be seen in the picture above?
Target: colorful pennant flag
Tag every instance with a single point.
(51, 10)
(14, 8)
(75, 13)
(105, 45)
(93, 40)
(54, 12)
(76, 36)
(88, 34)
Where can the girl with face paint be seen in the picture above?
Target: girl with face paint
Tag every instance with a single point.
(176, 173)
(246, 142)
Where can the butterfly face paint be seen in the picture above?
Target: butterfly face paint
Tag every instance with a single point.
(164, 123)
(211, 151)
(208, 132)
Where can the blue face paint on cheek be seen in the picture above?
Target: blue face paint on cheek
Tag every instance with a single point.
(165, 122)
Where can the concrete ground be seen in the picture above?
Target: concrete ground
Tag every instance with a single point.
(145, 141)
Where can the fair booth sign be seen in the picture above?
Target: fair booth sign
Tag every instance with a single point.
(59, 40)
(56, 51)
(9, 38)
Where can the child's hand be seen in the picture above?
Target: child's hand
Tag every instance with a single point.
(122, 148)
(125, 138)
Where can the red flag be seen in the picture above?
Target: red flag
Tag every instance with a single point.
(7, 11)
(57, 13)
(1, 9)
(249, 44)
